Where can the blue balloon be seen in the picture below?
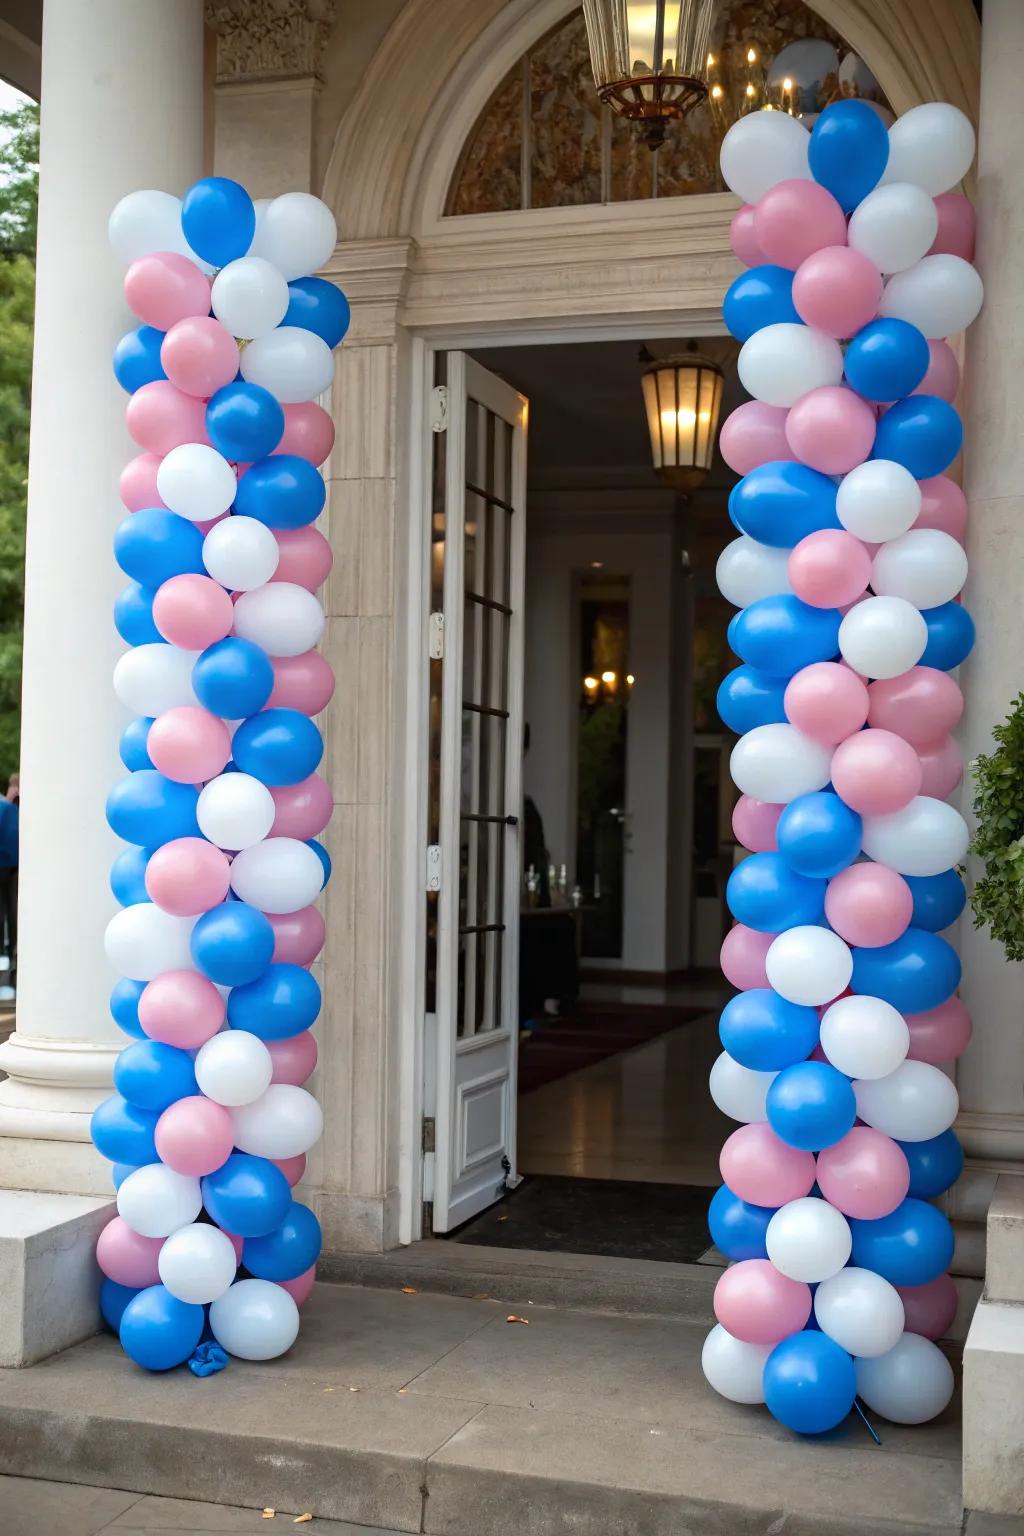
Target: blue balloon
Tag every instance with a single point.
(151, 1075)
(113, 1300)
(910, 1246)
(218, 219)
(809, 1381)
(938, 900)
(758, 297)
(283, 491)
(917, 971)
(149, 809)
(158, 1331)
(781, 635)
(319, 306)
(811, 1105)
(737, 1228)
(244, 422)
(765, 1032)
(848, 152)
(233, 678)
(323, 856)
(124, 1006)
(886, 360)
(950, 636)
(152, 545)
(119, 1172)
(818, 834)
(923, 433)
(134, 752)
(747, 698)
(232, 944)
(935, 1164)
(137, 358)
(133, 615)
(247, 1195)
(128, 876)
(278, 746)
(766, 894)
(781, 502)
(289, 1250)
(123, 1132)
(282, 1002)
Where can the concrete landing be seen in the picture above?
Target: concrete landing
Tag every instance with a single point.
(425, 1413)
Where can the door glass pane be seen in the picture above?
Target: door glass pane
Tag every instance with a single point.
(602, 825)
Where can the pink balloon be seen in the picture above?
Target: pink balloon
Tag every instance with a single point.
(957, 225)
(164, 288)
(837, 290)
(293, 1059)
(876, 772)
(742, 957)
(199, 356)
(298, 936)
(742, 238)
(187, 876)
(942, 768)
(869, 905)
(306, 557)
(308, 432)
(755, 1302)
(754, 823)
(943, 376)
(138, 482)
(930, 1309)
(761, 1168)
(922, 705)
(292, 1167)
(303, 810)
(194, 1136)
(794, 219)
(831, 429)
(303, 682)
(236, 1242)
(181, 1008)
(865, 1175)
(126, 1257)
(754, 434)
(300, 1288)
(188, 744)
(827, 701)
(943, 506)
(193, 611)
(829, 568)
(160, 417)
(940, 1035)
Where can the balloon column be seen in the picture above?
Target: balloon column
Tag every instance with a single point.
(222, 804)
(846, 574)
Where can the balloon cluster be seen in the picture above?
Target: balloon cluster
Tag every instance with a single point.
(222, 805)
(846, 575)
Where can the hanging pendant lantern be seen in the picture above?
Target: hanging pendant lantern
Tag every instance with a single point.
(650, 58)
(683, 399)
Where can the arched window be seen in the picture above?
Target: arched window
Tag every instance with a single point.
(545, 141)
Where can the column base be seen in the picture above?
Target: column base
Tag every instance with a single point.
(46, 1104)
(48, 1274)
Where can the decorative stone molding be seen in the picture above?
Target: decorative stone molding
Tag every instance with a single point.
(269, 39)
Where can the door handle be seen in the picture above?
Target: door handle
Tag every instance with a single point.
(511, 821)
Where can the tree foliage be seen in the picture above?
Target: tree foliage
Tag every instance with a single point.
(997, 900)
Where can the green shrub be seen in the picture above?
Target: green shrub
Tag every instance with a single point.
(997, 899)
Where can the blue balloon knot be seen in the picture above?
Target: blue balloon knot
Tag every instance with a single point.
(207, 1359)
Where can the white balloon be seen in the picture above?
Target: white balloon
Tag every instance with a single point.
(144, 222)
(733, 1368)
(284, 618)
(197, 1263)
(808, 1239)
(910, 1385)
(738, 1091)
(235, 810)
(249, 297)
(878, 500)
(861, 1311)
(762, 149)
(260, 206)
(883, 636)
(777, 763)
(155, 1201)
(196, 482)
(234, 1068)
(280, 874)
(940, 295)
(255, 1320)
(151, 678)
(894, 226)
(924, 838)
(143, 940)
(925, 566)
(931, 146)
(294, 364)
(914, 1103)
(864, 1036)
(241, 553)
(748, 571)
(298, 234)
(781, 362)
(284, 1122)
(808, 965)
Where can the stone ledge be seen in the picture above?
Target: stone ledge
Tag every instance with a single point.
(994, 1410)
(1004, 1270)
(48, 1275)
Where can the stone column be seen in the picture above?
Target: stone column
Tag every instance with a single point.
(122, 109)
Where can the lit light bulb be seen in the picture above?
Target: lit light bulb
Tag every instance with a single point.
(716, 92)
(630, 679)
(751, 55)
(608, 677)
(750, 89)
(590, 683)
(711, 61)
(787, 84)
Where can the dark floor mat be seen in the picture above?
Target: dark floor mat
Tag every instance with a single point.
(612, 1217)
(553, 1047)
